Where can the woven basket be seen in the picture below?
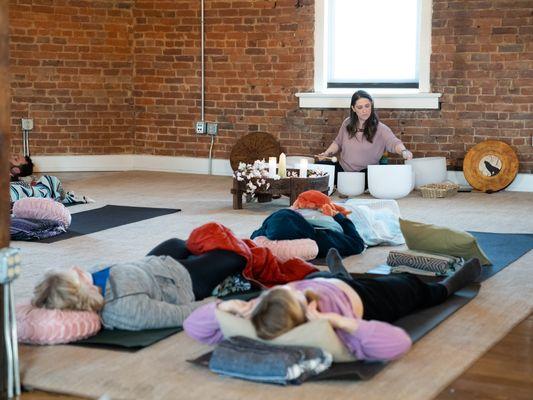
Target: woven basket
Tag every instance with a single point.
(436, 190)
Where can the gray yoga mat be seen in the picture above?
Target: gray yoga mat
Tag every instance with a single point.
(106, 217)
(127, 340)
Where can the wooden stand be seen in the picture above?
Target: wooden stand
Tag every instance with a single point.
(291, 187)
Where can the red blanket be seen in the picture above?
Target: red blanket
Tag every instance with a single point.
(262, 266)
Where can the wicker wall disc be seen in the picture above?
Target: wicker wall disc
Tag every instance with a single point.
(490, 166)
(254, 146)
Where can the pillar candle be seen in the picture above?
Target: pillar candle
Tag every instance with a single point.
(271, 167)
(303, 168)
(282, 166)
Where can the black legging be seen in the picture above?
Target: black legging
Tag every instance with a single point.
(206, 270)
(387, 298)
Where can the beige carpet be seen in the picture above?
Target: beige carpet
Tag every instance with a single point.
(160, 372)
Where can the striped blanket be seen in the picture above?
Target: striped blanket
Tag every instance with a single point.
(46, 186)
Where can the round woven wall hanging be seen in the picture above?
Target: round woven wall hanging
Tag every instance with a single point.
(490, 166)
(254, 146)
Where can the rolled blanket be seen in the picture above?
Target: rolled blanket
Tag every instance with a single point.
(284, 250)
(253, 360)
(435, 263)
(34, 229)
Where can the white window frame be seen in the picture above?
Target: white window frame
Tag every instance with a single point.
(322, 97)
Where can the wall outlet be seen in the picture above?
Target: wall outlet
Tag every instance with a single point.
(27, 124)
(212, 128)
(200, 127)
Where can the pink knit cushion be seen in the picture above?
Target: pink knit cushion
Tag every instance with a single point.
(41, 208)
(43, 326)
(287, 249)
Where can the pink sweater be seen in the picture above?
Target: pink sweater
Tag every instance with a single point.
(373, 340)
(358, 153)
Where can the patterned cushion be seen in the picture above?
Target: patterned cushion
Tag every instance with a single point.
(284, 250)
(41, 208)
(42, 326)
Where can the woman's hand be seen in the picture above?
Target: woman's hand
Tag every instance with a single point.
(322, 156)
(237, 307)
(406, 154)
(337, 321)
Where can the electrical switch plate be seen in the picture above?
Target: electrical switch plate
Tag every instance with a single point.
(27, 124)
(200, 127)
(212, 128)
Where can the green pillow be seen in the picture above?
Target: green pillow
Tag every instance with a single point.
(441, 240)
(317, 333)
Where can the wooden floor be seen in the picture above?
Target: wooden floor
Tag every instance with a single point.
(504, 372)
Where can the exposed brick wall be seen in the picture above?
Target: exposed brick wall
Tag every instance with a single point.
(258, 54)
(71, 71)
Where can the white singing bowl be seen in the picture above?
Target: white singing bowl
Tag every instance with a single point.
(351, 183)
(390, 181)
(428, 170)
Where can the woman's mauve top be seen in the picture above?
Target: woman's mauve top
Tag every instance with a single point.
(357, 153)
(373, 340)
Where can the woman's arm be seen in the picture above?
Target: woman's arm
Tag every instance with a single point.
(367, 340)
(202, 325)
(330, 151)
(357, 244)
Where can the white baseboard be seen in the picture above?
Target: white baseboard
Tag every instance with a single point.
(190, 165)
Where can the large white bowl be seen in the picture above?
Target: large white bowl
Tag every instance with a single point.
(351, 183)
(428, 170)
(390, 181)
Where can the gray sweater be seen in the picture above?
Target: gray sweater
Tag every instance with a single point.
(154, 292)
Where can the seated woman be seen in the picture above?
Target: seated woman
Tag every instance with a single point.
(288, 224)
(360, 310)
(158, 291)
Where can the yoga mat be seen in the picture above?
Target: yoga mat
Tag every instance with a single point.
(416, 325)
(127, 340)
(502, 249)
(106, 217)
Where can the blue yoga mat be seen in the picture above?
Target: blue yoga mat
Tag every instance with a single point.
(502, 249)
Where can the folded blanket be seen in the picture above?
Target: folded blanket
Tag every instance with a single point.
(253, 360)
(436, 263)
(34, 229)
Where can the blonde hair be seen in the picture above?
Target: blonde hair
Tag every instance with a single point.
(61, 290)
(278, 312)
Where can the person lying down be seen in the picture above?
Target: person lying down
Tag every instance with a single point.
(157, 291)
(360, 310)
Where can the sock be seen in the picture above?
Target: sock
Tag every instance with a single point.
(468, 273)
(335, 265)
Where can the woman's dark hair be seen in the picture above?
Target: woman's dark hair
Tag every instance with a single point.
(371, 124)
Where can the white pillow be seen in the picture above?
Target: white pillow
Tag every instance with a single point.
(317, 333)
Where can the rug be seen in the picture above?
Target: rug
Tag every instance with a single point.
(110, 216)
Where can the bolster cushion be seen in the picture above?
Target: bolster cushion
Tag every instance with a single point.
(41, 208)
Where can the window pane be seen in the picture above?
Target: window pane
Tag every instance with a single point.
(373, 41)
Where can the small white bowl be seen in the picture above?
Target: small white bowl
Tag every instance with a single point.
(390, 181)
(351, 183)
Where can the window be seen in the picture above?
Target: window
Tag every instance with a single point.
(382, 46)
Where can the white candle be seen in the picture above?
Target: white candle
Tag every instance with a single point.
(282, 166)
(303, 168)
(271, 167)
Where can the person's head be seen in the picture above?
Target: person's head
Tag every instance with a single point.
(20, 166)
(362, 113)
(68, 290)
(280, 310)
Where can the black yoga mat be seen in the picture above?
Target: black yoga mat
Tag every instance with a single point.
(106, 217)
(416, 325)
(127, 340)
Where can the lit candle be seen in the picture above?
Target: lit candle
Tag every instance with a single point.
(282, 166)
(271, 167)
(303, 168)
